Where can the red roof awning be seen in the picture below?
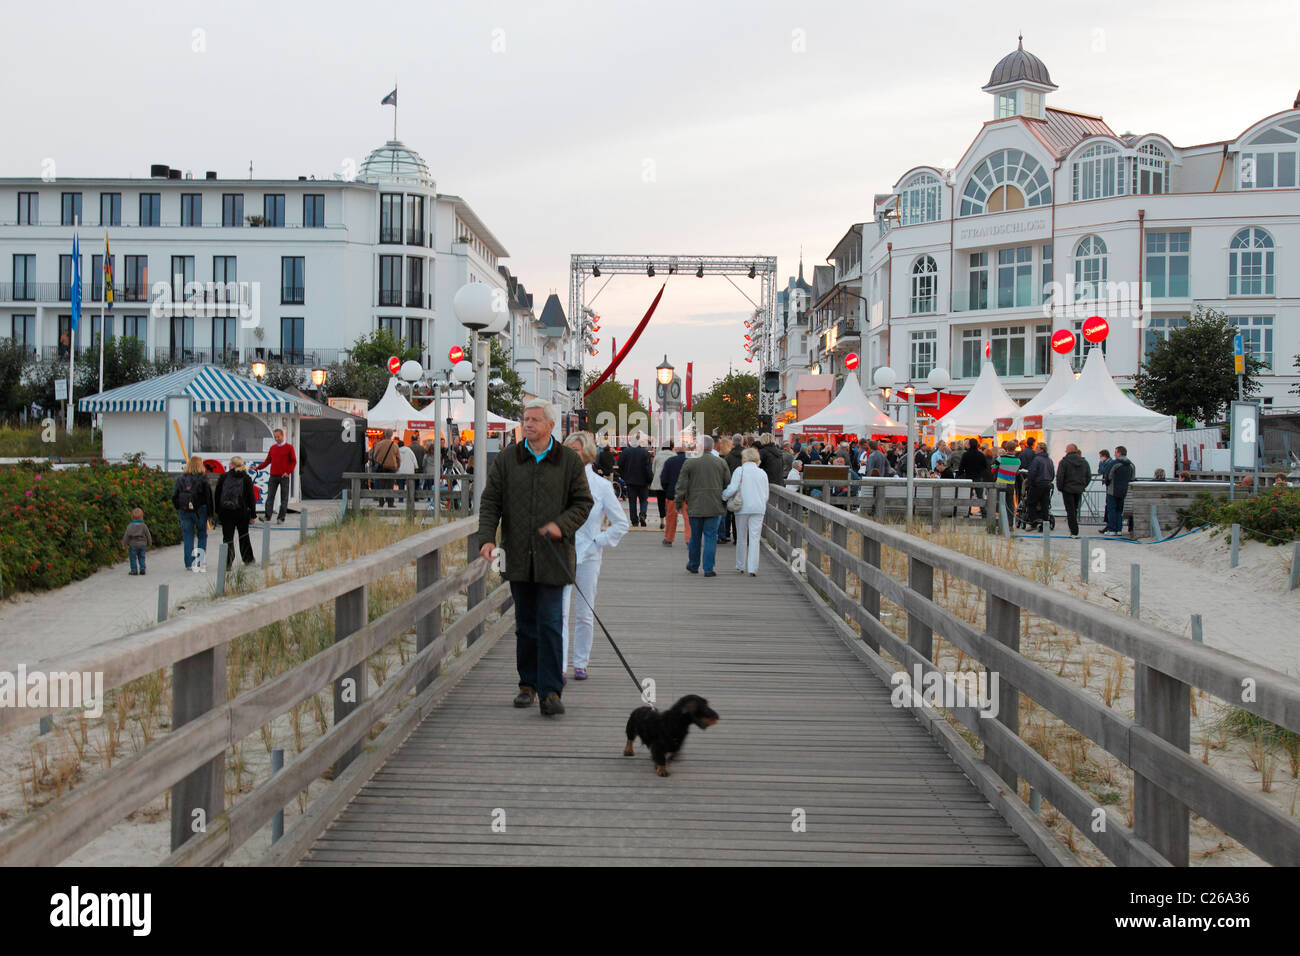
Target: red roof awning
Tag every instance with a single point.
(947, 402)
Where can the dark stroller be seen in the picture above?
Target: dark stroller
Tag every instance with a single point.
(1023, 520)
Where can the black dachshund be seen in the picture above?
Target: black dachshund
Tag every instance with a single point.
(665, 732)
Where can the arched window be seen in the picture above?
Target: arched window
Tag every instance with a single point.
(1090, 268)
(1098, 173)
(1268, 159)
(1150, 171)
(919, 200)
(925, 284)
(1250, 263)
(1009, 179)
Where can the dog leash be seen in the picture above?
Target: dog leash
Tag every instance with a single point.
(608, 636)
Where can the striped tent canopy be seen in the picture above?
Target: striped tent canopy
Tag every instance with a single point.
(213, 389)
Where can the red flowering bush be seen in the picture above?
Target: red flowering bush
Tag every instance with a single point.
(57, 527)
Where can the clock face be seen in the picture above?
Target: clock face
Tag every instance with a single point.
(675, 390)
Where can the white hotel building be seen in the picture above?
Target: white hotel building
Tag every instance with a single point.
(959, 257)
(327, 260)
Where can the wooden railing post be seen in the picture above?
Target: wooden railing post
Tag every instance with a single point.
(1162, 706)
(920, 579)
(350, 613)
(878, 501)
(935, 494)
(476, 591)
(870, 596)
(428, 569)
(198, 685)
(1002, 621)
(356, 495)
(840, 536)
(409, 486)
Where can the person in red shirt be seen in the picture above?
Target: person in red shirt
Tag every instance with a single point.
(283, 461)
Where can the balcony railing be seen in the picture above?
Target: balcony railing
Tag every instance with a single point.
(390, 236)
(415, 237)
(292, 294)
(416, 299)
(390, 296)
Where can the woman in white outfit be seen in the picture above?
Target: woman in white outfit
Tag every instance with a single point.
(589, 542)
(751, 482)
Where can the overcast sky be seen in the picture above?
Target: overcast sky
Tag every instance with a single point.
(729, 127)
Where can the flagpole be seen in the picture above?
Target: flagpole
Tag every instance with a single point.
(394, 112)
(72, 336)
(104, 281)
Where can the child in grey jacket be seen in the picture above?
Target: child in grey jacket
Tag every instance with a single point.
(138, 539)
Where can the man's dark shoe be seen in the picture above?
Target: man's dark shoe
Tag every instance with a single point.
(710, 574)
(693, 570)
(552, 705)
(667, 543)
(525, 696)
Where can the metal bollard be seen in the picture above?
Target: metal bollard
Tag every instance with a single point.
(1155, 524)
(1236, 541)
(1135, 589)
(162, 603)
(1295, 567)
(1035, 801)
(221, 569)
(1197, 634)
(1047, 541)
(302, 526)
(1085, 558)
(266, 544)
(343, 506)
(277, 821)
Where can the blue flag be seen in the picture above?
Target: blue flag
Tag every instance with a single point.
(76, 283)
(390, 99)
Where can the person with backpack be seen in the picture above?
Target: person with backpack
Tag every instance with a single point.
(283, 461)
(386, 457)
(192, 499)
(1039, 489)
(236, 505)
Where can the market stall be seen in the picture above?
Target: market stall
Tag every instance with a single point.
(332, 442)
(849, 416)
(1029, 422)
(393, 412)
(979, 411)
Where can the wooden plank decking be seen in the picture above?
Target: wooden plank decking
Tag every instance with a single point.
(804, 727)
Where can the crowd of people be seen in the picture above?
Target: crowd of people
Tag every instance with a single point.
(390, 455)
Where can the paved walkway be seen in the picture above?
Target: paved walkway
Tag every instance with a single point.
(110, 603)
(806, 734)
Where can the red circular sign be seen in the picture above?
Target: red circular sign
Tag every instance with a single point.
(394, 364)
(1062, 341)
(456, 354)
(1095, 328)
(851, 361)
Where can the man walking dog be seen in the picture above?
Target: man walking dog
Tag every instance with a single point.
(536, 487)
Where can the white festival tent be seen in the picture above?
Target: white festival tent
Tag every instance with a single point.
(394, 411)
(462, 413)
(850, 412)
(1096, 414)
(1062, 381)
(975, 415)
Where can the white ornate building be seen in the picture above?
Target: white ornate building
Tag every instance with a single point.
(1049, 217)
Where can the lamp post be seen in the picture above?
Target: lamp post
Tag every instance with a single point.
(938, 380)
(259, 370)
(318, 380)
(483, 312)
(664, 378)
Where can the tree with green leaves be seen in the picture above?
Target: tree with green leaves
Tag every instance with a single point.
(15, 395)
(379, 346)
(364, 373)
(507, 399)
(1191, 374)
(605, 401)
(730, 404)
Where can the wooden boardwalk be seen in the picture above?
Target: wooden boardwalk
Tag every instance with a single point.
(804, 727)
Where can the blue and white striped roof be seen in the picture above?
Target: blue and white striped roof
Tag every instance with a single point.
(213, 389)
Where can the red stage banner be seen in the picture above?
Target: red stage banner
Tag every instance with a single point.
(636, 333)
(636, 387)
(689, 372)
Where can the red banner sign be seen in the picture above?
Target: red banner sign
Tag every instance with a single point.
(1033, 422)
(1002, 424)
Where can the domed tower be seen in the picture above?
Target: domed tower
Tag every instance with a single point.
(1019, 84)
(395, 162)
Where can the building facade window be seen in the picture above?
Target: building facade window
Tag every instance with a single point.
(415, 333)
(390, 280)
(191, 209)
(225, 269)
(1099, 172)
(1009, 350)
(1268, 160)
(291, 341)
(273, 210)
(232, 209)
(1256, 336)
(181, 343)
(1167, 264)
(924, 350)
(1006, 105)
(415, 282)
(224, 347)
(977, 281)
(415, 220)
(1047, 271)
(925, 283)
(110, 209)
(1042, 350)
(24, 277)
(1091, 267)
(393, 326)
(1150, 171)
(22, 332)
(1251, 263)
(1008, 179)
(920, 200)
(293, 287)
(313, 211)
(390, 218)
(181, 275)
(97, 276)
(1016, 277)
(65, 278)
(29, 209)
(135, 279)
(150, 209)
(135, 327)
(94, 328)
(71, 209)
(972, 352)
(1158, 329)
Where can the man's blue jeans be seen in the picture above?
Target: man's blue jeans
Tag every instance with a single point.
(1115, 513)
(194, 523)
(539, 635)
(705, 531)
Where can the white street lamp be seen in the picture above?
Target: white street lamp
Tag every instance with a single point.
(938, 380)
(482, 311)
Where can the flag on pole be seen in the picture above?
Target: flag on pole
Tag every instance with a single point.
(108, 274)
(76, 285)
(390, 99)
(690, 372)
(988, 349)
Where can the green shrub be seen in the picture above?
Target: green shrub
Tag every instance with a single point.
(1273, 515)
(57, 527)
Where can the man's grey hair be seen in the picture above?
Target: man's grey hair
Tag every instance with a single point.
(706, 444)
(548, 409)
(736, 439)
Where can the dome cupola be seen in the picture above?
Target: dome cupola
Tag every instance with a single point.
(395, 162)
(1018, 84)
